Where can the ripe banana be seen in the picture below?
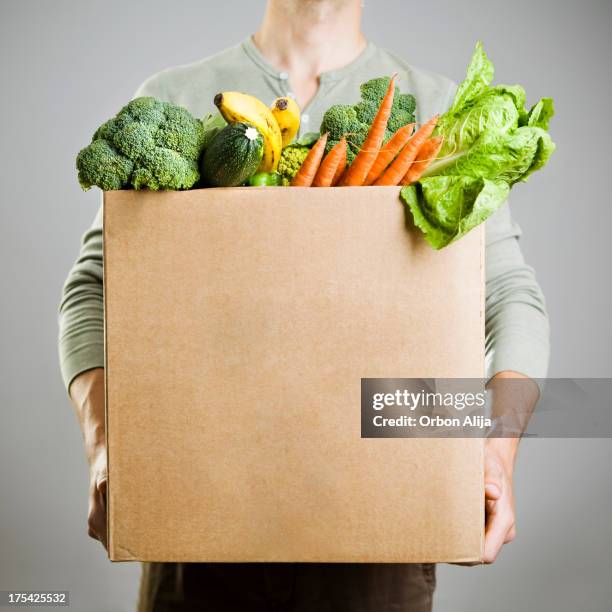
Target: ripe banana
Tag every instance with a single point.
(237, 106)
(287, 114)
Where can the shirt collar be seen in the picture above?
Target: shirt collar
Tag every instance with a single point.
(257, 57)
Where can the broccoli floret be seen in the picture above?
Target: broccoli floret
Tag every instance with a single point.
(166, 167)
(372, 93)
(374, 89)
(148, 144)
(290, 161)
(402, 112)
(339, 120)
(99, 164)
(354, 121)
(343, 120)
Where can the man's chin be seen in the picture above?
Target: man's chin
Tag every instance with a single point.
(315, 7)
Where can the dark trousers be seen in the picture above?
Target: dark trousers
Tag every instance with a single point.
(286, 587)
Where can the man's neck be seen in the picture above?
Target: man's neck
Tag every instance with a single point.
(310, 37)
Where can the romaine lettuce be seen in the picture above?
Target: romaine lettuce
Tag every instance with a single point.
(447, 207)
(490, 142)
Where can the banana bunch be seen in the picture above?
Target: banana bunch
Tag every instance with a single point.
(278, 125)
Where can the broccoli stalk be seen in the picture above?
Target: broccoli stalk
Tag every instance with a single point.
(354, 121)
(148, 144)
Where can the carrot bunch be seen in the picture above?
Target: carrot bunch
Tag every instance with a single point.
(306, 174)
(319, 171)
(400, 166)
(388, 152)
(400, 161)
(427, 153)
(332, 167)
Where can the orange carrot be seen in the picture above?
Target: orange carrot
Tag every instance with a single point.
(363, 162)
(427, 153)
(388, 152)
(327, 170)
(400, 165)
(305, 175)
(339, 170)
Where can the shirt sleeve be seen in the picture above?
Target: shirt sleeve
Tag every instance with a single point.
(81, 311)
(516, 320)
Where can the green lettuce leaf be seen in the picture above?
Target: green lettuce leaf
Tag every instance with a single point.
(495, 110)
(478, 78)
(213, 124)
(541, 113)
(308, 139)
(490, 142)
(445, 208)
(508, 156)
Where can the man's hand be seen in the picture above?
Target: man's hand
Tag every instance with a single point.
(514, 398)
(87, 394)
(499, 497)
(96, 516)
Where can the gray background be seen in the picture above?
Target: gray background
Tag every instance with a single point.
(68, 65)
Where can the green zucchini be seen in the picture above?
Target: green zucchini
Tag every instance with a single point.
(232, 156)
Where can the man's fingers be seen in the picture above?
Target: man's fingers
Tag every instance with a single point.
(101, 480)
(94, 523)
(96, 526)
(102, 516)
(499, 509)
(499, 525)
(510, 535)
(96, 517)
(500, 530)
(492, 491)
(101, 486)
(494, 481)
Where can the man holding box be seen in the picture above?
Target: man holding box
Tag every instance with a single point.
(313, 50)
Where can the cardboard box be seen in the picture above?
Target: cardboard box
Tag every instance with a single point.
(239, 323)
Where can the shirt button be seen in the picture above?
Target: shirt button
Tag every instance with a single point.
(283, 76)
(305, 118)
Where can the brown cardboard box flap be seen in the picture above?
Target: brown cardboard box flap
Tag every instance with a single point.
(239, 323)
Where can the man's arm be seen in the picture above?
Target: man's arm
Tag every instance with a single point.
(514, 394)
(516, 326)
(81, 314)
(81, 347)
(87, 395)
(517, 347)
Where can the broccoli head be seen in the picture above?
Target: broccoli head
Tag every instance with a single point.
(292, 157)
(354, 121)
(148, 144)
